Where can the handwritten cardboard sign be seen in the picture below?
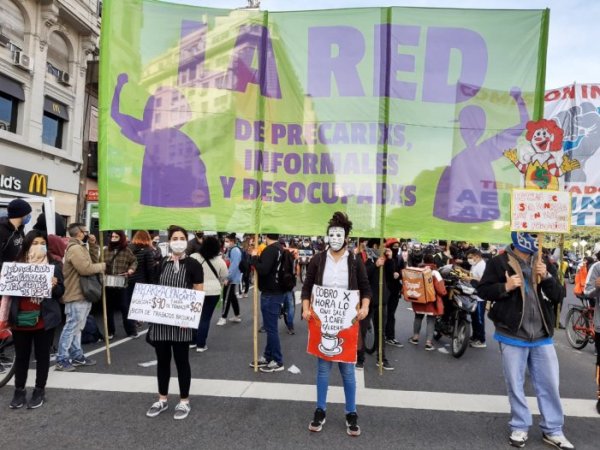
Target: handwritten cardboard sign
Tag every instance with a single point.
(541, 211)
(167, 305)
(26, 280)
(333, 330)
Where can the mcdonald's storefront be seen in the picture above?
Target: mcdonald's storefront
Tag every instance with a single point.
(18, 181)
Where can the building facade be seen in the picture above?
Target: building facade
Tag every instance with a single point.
(47, 109)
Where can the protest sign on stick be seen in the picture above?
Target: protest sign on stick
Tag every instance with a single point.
(26, 280)
(166, 305)
(541, 211)
(333, 329)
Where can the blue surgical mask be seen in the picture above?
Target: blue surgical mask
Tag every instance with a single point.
(26, 219)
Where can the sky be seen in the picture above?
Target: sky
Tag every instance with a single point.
(573, 53)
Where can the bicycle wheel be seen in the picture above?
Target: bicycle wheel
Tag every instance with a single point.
(7, 360)
(575, 328)
(370, 336)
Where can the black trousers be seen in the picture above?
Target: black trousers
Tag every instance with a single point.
(41, 340)
(364, 325)
(230, 300)
(181, 354)
(119, 299)
(389, 331)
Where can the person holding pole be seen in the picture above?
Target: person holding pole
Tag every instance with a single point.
(234, 255)
(32, 322)
(592, 290)
(336, 267)
(522, 292)
(179, 271)
(77, 263)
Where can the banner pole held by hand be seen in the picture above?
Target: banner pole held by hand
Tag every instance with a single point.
(104, 314)
(255, 307)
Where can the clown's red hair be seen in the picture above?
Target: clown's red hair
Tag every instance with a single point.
(552, 128)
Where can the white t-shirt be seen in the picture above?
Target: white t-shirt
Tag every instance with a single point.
(336, 273)
(478, 269)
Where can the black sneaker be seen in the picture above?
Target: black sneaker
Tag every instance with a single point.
(318, 421)
(273, 366)
(19, 399)
(262, 362)
(386, 365)
(352, 427)
(360, 365)
(598, 406)
(37, 398)
(262, 330)
(394, 342)
(291, 331)
(83, 361)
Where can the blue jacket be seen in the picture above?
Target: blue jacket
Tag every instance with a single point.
(234, 255)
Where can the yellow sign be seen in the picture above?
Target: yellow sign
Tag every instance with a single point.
(38, 184)
(56, 108)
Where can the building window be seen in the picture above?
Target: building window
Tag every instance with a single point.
(58, 55)
(11, 93)
(13, 23)
(54, 122)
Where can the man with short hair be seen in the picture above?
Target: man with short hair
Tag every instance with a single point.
(522, 292)
(195, 243)
(272, 298)
(477, 263)
(11, 229)
(77, 263)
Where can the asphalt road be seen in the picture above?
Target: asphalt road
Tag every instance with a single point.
(431, 400)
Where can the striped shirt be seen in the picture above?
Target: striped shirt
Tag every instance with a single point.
(168, 277)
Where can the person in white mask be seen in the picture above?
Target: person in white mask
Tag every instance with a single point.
(477, 264)
(32, 321)
(178, 271)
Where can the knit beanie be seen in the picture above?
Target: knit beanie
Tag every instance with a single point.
(18, 208)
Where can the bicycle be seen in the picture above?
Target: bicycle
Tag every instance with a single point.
(7, 357)
(580, 324)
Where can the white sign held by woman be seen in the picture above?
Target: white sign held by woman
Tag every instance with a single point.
(166, 305)
(26, 280)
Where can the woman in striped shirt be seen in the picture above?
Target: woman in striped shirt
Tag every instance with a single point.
(177, 271)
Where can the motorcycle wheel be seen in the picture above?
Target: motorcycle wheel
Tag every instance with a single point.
(7, 360)
(460, 337)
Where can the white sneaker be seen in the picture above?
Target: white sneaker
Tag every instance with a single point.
(192, 345)
(182, 410)
(558, 441)
(478, 344)
(221, 322)
(518, 438)
(201, 349)
(236, 319)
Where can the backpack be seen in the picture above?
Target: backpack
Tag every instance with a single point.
(285, 277)
(244, 265)
(417, 285)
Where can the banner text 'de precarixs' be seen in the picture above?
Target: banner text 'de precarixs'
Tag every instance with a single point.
(259, 121)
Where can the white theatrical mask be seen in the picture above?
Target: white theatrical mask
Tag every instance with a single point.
(337, 238)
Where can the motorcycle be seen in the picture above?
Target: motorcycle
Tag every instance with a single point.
(460, 302)
(573, 265)
(304, 257)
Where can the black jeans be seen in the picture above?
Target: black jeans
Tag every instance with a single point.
(390, 323)
(118, 299)
(210, 303)
(230, 300)
(42, 341)
(181, 354)
(364, 325)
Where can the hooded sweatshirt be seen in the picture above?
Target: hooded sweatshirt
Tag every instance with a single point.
(11, 240)
(592, 291)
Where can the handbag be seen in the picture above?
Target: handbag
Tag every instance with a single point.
(91, 287)
(115, 281)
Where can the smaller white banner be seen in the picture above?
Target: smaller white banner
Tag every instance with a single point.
(26, 280)
(541, 211)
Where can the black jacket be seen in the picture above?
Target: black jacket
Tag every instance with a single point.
(507, 309)
(146, 264)
(50, 306)
(358, 279)
(11, 240)
(266, 267)
(388, 279)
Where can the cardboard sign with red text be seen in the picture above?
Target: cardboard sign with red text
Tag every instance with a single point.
(540, 211)
(333, 327)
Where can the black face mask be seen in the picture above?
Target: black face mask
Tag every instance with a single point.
(395, 251)
(85, 238)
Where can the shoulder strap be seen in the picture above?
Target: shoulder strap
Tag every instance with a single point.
(212, 268)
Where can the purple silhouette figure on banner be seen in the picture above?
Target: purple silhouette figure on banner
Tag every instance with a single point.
(467, 192)
(173, 175)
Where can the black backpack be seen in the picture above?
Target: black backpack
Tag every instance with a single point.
(285, 277)
(244, 265)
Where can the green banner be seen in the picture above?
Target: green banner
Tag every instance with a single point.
(256, 121)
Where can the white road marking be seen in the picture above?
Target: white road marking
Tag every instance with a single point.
(383, 398)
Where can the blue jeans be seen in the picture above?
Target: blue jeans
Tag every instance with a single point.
(543, 370)
(210, 302)
(347, 372)
(290, 309)
(69, 344)
(478, 322)
(270, 307)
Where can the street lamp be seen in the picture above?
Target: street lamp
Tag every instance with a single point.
(575, 244)
(583, 243)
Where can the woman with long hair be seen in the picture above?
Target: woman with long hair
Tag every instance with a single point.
(33, 321)
(121, 263)
(141, 246)
(215, 275)
(177, 271)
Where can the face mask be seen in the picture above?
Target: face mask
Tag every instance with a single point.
(306, 245)
(178, 247)
(38, 250)
(26, 219)
(227, 244)
(85, 238)
(471, 261)
(337, 238)
(115, 239)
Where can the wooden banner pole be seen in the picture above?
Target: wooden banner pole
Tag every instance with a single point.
(380, 309)
(104, 313)
(255, 307)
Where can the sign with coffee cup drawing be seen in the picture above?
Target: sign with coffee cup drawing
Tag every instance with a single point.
(333, 328)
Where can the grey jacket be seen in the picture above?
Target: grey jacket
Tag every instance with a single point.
(591, 290)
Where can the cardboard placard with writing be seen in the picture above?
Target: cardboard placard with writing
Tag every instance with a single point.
(166, 305)
(540, 211)
(333, 328)
(26, 280)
